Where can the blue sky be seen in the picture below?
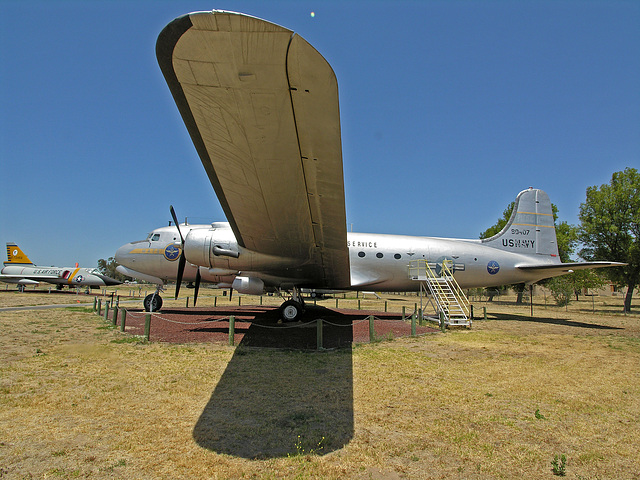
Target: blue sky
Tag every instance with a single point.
(448, 110)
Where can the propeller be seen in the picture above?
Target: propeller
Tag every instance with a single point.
(182, 261)
(195, 292)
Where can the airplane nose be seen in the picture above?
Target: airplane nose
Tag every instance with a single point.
(122, 254)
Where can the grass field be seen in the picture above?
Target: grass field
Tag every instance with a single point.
(81, 400)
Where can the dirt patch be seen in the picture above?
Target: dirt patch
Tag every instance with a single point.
(260, 326)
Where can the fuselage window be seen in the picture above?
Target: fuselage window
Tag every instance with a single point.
(397, 256)
(361, 254)
(379, 255)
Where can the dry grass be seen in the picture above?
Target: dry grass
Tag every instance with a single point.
(79, 400)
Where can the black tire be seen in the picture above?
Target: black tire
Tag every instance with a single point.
(291, 311)
(157, 303)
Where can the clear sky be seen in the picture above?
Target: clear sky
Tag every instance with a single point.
(448, 110)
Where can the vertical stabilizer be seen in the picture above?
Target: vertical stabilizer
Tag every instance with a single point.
(530, 229)
(15, 256)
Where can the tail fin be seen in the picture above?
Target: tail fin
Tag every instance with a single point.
(15, 256)
(531, 229)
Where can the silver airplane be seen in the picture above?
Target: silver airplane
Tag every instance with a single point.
(18, 269)
(261, 106)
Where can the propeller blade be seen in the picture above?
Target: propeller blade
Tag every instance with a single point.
(183, 261)
(181, 264)
(195, 292)
(230, 293)
(175, 221)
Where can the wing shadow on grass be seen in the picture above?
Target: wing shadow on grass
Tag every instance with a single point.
(550, 321)
(279, 396)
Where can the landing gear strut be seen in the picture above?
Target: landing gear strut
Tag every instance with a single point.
(153, 301)
(292, 310)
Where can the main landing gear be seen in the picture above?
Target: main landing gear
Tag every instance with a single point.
(292, 310)
(153, 301)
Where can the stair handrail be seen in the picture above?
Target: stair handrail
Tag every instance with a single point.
(440, 293)
(457, 290)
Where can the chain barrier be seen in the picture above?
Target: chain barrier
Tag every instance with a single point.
(353, 323)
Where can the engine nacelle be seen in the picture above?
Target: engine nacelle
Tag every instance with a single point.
(217, 248)
(248, 285)
(218, 242)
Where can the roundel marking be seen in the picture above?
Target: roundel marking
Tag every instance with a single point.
(493, 267)
(15, 253)
(78, 279)
(171, 252)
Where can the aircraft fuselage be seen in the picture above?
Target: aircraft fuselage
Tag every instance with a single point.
(377, 261)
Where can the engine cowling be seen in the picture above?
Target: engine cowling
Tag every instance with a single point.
(248, 285)
(217, 248)
(218, 242)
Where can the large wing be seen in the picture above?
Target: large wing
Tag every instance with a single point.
(261, 106)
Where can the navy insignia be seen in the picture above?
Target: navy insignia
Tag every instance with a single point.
(171, 252)
(78, 279)
(493, 267)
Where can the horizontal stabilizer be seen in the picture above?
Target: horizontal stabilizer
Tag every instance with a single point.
(560, 268)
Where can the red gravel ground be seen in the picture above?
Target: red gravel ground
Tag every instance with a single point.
(259, 326)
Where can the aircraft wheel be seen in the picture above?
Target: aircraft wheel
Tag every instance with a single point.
(290, 311)
(152, 302)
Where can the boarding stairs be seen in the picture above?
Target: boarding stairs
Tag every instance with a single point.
(452, 305)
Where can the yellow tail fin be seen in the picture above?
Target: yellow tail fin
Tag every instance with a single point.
(16, 256)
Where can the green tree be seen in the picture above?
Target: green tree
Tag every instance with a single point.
(564, 286)
(108, 268)
(500, 224)
(566, 238)
(610, 228)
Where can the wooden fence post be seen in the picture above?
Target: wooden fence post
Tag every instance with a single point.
(319, 334)
(372, 333)
(147, 326)
(232, 330)
(123, 320)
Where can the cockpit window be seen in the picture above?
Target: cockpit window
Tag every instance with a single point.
(155, 237)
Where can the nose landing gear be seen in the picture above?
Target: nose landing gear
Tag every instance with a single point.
(153, 301)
